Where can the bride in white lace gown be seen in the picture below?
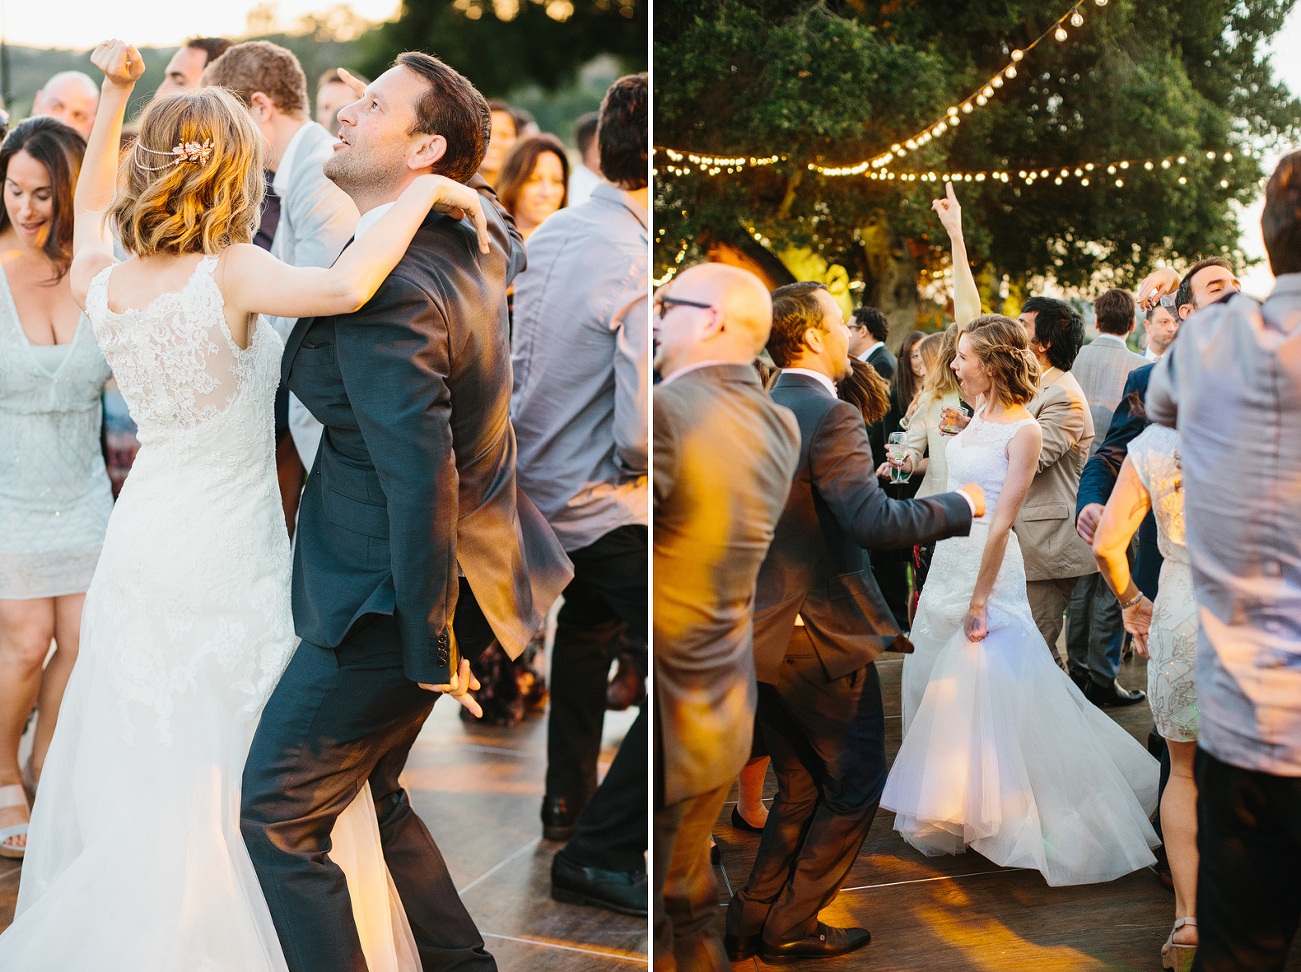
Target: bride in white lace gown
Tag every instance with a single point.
(1001, 751)
(135, 861)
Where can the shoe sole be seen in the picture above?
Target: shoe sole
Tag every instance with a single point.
(574, 898)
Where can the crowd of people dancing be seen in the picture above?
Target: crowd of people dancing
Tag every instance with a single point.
(478, 458)
(989, 496)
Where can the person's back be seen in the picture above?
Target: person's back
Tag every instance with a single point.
(1102, 368)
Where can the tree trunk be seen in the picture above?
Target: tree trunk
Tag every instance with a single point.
(890, 278)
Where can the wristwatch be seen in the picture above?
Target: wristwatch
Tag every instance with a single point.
(1138, 596)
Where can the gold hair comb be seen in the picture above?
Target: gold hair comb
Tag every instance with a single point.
(194, 153)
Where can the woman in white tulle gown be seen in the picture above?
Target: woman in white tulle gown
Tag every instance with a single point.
(134, 858)
(1001, 751)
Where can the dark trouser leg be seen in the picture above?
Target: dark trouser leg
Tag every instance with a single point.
(445, 934)
(608, 591)
(324, 730)
(611, 832)
(891, 573)
(1095, 630)
(1249, 839)
(686, 937)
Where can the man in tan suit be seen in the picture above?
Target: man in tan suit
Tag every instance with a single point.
(1055, 557)
(725, 457)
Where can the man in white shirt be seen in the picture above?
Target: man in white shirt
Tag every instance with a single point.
(1162, 326)
(316, 217)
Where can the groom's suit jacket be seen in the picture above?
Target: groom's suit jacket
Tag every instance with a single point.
(416, 469)
(817, 566)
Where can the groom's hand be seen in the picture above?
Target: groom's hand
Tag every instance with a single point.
(459, 687)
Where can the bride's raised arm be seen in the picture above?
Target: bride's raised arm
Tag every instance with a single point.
(1022, 464)
(92, 242)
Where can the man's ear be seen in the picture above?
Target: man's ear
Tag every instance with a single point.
(712, 327)
(260, 106)
(426, 151)
(813, 340)
(1185, 311)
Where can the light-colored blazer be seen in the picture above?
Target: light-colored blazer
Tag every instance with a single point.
(923, 437)
(1046, 525)
(317, 219)
(1102, 368)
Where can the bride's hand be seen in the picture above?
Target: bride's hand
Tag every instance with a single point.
(121, 63)
(1137, 620)
(458, 201)
(973, 625)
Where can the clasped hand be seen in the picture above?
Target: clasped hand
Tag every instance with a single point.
(121, 63)
(459, 687)
(1138, 620)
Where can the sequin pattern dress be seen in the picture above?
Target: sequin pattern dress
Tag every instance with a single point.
(55, 497)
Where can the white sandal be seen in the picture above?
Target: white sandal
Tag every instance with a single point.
(1176, 956)
(12, 796)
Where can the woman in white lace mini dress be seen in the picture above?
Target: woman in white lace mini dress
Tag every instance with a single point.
(1004, 754)
(55, 498)
(1166, 632)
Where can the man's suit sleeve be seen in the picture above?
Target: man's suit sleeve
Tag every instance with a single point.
(1162, 392)
(393, 357)
(631, 383)
(845, 478)
(666, 452)
(1062, 420)
(1101, 471)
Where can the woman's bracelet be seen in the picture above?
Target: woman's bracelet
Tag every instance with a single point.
(1138, 596)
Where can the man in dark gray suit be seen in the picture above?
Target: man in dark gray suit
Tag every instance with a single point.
(724, 458)
(415, 477)
(819, 623)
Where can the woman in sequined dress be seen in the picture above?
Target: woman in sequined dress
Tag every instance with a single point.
(55, 497)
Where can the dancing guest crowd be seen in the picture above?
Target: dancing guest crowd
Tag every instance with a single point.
(580, 401)
(777, 583)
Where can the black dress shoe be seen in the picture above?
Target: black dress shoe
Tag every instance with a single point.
(740, 947)
(1080, 676)
(740, 823)
(715, 855)
(1113, 694)
(558, 817)
(825, 942)
(626, 892)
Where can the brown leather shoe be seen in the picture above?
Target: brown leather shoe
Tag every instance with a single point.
(628, 687)
(825, 942)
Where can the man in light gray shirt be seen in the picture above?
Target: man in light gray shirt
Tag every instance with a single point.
(580, 408)
(1231, 385)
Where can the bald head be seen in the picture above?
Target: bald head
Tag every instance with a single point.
(732, 326)
(72, 98)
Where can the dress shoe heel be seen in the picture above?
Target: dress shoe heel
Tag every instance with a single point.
(740, 823)
(740, 947)
(558, 818)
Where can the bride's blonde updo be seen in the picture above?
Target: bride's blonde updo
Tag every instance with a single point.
(1000, 344)
(201, 199)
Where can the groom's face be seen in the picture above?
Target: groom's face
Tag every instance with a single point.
(376, 144)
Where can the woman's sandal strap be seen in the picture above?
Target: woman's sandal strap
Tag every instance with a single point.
(1181, 922)
(12, 796)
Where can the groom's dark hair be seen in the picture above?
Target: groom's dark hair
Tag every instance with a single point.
(453, 108)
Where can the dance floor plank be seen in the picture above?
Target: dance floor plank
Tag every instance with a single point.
(478, 789)
(965, 914)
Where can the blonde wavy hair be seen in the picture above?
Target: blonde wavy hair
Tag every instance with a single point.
(190, 207)
(940, 379)
(1000, 344)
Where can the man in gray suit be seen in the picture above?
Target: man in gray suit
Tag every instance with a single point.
(316, 217)
(725, 454)
(1094, 630)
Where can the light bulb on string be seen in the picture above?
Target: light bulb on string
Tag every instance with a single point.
(1060, 33)
(1017, 55)
(1010, 72)
(1077, 20)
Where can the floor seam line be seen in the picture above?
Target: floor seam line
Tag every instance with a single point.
(500, 864)
(568, 948)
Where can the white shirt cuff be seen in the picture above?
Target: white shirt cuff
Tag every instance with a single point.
(970, 501)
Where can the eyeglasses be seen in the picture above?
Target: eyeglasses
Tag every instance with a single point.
(857, 327)
(665, 303)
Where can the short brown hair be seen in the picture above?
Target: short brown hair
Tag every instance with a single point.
(624, 131)
(1280, 221)
(1000, 344)
(255, 66)
(1115, 312)
(795, 309)
(452, 107)
(213, 47)
(519, 164)
(190, 207)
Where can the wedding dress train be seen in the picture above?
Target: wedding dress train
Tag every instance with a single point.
(1001, 751)
(135, 861)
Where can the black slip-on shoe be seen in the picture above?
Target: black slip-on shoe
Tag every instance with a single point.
(825, 942)
(626, 892)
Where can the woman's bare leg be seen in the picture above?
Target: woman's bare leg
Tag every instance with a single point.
(26, 628)
(67, 639)
(1179, 828)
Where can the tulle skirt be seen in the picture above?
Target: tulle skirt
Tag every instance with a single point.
(1005, 755)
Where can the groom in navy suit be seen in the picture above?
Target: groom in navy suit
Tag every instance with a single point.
(414, 549)
(819, 622)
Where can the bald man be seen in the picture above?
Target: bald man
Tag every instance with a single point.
(72, 98)
(725, 457)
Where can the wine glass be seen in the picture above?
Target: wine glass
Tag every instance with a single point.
(897, 452)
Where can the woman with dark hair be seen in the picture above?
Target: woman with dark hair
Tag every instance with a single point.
(534, 181)
(55, 497)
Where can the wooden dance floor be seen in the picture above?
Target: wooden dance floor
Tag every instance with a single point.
(478, 788)
(965, 914)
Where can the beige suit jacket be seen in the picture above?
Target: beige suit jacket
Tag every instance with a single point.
(1046, 524)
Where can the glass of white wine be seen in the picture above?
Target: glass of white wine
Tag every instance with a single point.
(897, 452)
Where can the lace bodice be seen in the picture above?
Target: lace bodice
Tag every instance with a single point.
(1154, 455)
(978, 454)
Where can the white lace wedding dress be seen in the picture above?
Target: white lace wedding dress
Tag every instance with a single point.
(1001, 751)
(134, 860)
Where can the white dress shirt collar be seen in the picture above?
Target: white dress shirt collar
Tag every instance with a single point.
(1150, 354)
(280, 184)
(370, 218)
(827, 382)
(868, 353)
